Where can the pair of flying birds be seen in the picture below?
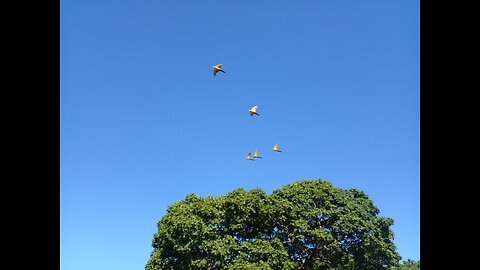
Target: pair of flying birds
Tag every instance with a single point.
(255, 155)
(218, 68)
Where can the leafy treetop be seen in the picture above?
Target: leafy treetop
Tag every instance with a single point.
(308, 224)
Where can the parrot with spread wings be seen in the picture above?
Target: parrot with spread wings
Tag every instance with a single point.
(275, 148)
(255, 155)
(217, 68)
(253, 111)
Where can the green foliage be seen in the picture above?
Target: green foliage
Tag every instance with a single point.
(407, 265)
(305, 225)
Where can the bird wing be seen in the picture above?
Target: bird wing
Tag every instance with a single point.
(256, 153)
(275, 147)
(254, 109)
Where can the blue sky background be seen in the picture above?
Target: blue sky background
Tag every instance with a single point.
(144, 122)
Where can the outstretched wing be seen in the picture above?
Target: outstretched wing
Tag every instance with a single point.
(275, 147)
(256, 154)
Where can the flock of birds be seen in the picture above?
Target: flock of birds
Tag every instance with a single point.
(252, 111)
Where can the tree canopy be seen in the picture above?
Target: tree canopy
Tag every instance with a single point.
(308, 224)
(408, 265)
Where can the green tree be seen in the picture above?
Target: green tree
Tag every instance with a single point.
(305, 225)
(408, 265)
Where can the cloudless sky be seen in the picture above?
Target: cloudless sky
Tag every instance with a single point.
(143, 121)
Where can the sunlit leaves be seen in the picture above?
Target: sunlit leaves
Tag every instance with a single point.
(305, 225)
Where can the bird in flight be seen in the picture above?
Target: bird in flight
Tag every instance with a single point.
(249, 157)
(275, 148)
(255, 155)
(217, 68)
(253, 111)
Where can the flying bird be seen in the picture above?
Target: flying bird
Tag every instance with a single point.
(217, 68)
(275, 148)
(255, 155)
(253, 111)
(249, 157)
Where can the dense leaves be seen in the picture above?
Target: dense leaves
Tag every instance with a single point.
(305, 225)
(408, 265)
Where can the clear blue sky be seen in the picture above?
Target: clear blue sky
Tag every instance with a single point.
(144, 122)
